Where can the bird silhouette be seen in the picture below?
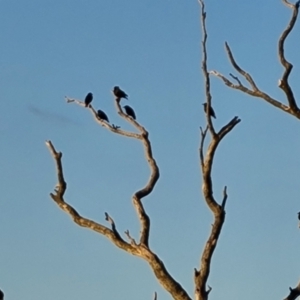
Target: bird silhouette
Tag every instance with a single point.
(129, 111)
(88, 99)
(299, 215)
(102, 115)
(119, 93)
(211, 111)
(1, 295)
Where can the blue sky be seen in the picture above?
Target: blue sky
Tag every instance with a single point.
(50, 49)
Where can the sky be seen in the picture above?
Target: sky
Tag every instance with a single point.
(151, 49)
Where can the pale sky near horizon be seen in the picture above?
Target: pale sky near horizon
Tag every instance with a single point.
(151, 49)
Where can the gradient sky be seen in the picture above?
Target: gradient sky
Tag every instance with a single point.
(151, 49)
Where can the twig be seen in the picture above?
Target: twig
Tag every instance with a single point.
(113, 226)
(132, 241)
(239, 69)
(112, 128)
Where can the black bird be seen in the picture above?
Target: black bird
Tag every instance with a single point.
(211, 111)
(88, 99)
(129, 111)
(102, 115)
(119, 93)
(1, 295)
(299, 215)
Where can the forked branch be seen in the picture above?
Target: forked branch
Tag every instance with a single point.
(58, 197)
(253, 90)
(141, 249)
(202, 290)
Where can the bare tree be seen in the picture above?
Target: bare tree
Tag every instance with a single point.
(141, 247)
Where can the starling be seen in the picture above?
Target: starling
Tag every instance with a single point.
(129, 111)
(119, 93)
(102, 115)
(88, 99)
(211, 111)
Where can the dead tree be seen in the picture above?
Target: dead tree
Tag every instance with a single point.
(283, 83)
(141, 247)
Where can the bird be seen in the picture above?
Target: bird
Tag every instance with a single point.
(299, 215)
(88, 99)
(211, 111)
(1, 295)
(119, 93)
(102, 115)
(129, 111)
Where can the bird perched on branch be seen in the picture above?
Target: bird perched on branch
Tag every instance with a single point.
(129, 111)
(102, 115)
(211, 111)
(88, 99)
(119, 93)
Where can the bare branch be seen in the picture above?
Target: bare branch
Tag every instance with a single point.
(163, 276)
(292, 108)
(227, 128)
(239, 69)
(113, 226)
(205, 72)
(143, 136)
(61, 185)
(235, 78)
(201, 276)
(257, 93)
(77, 218)
(113, 128)
(155, 296)
(142, 249)
(294, 293)
(283, 83)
